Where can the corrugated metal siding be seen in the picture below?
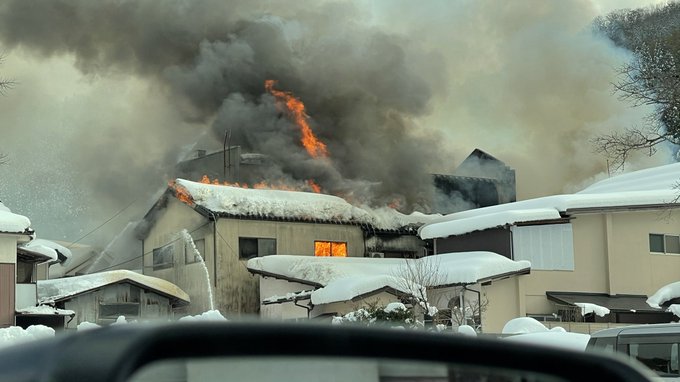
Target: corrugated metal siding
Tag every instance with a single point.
(7, 295)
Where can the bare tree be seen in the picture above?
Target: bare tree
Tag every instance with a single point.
(467, 311)
(416, 276)
(651, 79)
(5, 85)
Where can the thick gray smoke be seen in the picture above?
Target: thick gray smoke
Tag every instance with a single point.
(361, 87)
(392, 88)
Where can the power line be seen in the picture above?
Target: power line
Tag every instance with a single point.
(104, 223)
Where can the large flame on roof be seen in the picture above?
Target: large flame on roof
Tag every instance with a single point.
(296, 109)
(308, 186)
(181, 193)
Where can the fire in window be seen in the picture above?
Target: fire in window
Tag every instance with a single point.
(330, 248)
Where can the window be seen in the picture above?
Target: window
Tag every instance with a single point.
(660, 243)
(163, 257)
(330, 248)
(113, 310)
(190, 255)
(24, 272)
(249, 247)
(660, 357)
(547, 247)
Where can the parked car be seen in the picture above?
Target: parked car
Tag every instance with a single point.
(656, 346)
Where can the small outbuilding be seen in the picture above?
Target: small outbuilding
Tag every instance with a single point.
(102, 297)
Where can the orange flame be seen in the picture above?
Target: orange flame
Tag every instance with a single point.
(310, 185)
(296, 108)
(315, 187)
(181, 193)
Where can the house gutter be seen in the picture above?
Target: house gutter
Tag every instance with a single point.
(306, 307)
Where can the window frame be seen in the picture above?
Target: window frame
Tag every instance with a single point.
(188, 250)
(259, 241)
(331, 247)
(164, 251)
(664, 237)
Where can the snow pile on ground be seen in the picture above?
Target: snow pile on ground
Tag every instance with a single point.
(12, 223)
(85, 325)
(521, 325)
(587, 308)
(654, 186)
(467, 330)
(343, 278)
(665, 293)
(16, 335)
(558, 339)
(295, 205)
(50, 291)
(211, 315)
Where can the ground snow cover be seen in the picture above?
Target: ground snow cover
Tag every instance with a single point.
(529, 330)
(16, 335)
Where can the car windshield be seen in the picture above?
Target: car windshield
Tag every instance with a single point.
(466, 168)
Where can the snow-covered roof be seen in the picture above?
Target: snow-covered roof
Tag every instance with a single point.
(346, 278)
(45, 310)
(294, 205)
(644, 188)
(50, 291)
(13, 223)
(47, 248)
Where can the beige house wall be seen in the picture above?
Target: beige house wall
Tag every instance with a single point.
(235, 290)
(504, 302)
(189, 277)
(611, 255)
(8, 249)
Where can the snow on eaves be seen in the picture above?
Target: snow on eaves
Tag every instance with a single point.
(50, 291)
(13, 223)
(47, 248)
(652, 187)
(295, 205)
(345, 278)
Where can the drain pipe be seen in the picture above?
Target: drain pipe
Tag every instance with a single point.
(479, 301)
(306, 307)
(214, 219)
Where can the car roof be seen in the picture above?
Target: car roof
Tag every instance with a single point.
(671, 328)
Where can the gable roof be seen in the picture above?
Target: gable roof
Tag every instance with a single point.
(347, 278)
(653, 188)
(56, 290)
(228, 201)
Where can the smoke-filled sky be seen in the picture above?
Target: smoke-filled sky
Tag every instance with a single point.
(110, 94)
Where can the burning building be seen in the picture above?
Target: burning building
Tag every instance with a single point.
(200, 236)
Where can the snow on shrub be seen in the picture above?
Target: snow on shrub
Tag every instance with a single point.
(211, 315)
